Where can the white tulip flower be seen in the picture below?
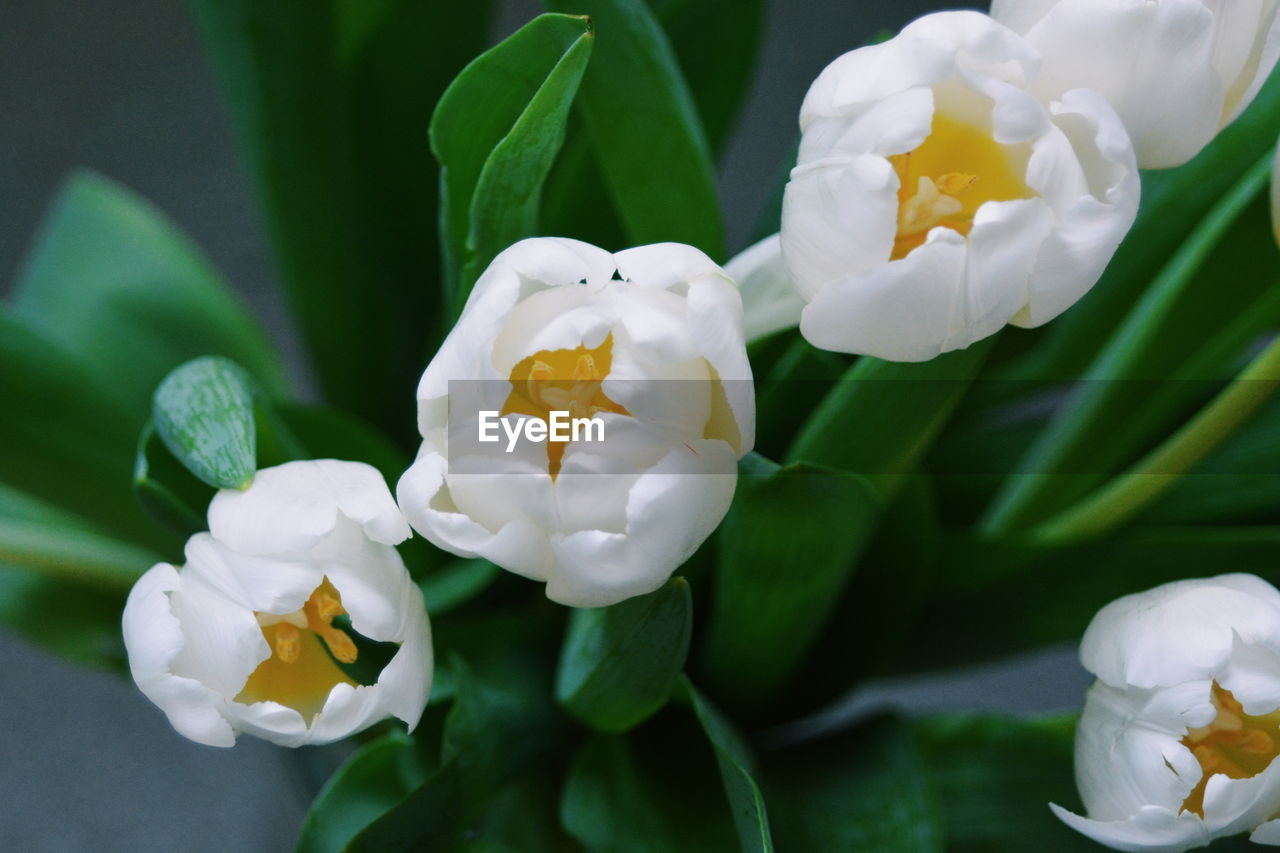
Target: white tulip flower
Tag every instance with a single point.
(650, 342)
(936, 199)
(1177, 743)
(243, 637)
(1177, 71)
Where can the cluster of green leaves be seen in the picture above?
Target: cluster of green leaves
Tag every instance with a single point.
(861, 541)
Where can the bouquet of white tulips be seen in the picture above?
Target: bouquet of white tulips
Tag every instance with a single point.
(596, 517)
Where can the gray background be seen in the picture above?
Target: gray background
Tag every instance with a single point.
(122, 87)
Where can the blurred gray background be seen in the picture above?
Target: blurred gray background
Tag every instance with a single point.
(122, 87)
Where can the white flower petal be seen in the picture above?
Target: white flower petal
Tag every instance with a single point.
(1152, 61)
(1129, 752)
(902, 311)
(1268, 833)
(519, 546)
(671, 510)
(1076, 252)
(1151, 830)
(153, 638)
(291, 507)
(1182, 631)
(839, 218)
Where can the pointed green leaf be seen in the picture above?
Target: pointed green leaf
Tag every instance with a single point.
(1174, 202)
(995, 778)
(496, 132)
(62, 583)
(371, 782)
(114, 281)
(203, 413)
(717, 43)
(1137, 389)
(69, 438)
(645, 130)
(882, 417)
(864, 789)
(737, 772)
(653, 791)
(331, 102)
(620, 663)
(786, 552)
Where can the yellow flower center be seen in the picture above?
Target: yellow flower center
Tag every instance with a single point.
(563, 380)
(956, 170)
(1235, 745)
(304, 647)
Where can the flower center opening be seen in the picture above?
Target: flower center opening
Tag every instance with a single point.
(305, 651)
(563, 380)
(956, 170)
(1235, 745)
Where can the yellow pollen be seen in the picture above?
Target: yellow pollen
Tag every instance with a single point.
(956, 170)
(301, 670)
(565, 380)
(288, 642)
(1235, 744)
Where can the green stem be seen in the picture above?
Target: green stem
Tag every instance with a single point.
(1035, 492)
(1130, 493)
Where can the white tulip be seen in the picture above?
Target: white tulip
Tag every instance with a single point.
(1177, 741)
(936, 200)
(1177, 71)
(241, 638)
(650, 341)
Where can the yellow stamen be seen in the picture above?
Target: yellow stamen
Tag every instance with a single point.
(565, 380)
(1235, 745)
(288, 642)
(300, 672)
(957, 169)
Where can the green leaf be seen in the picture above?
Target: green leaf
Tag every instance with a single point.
(501, 726)
(977, 579)
(496, 133)
(455, 583)
(737, 772)
(112, 280)
(1135, 391)
(619, 664)
(372, 781)
(663, 183)
(995, 778)
(53, 605)
(331, 102)
(717, 43)
(882, 417)
(1174, 202)
(72, 554)
(653, 791)
(786, 552)
(203, 413)
(877, 614)
(1236, 483)
(792, 378)
(865, 789)
(74, 440)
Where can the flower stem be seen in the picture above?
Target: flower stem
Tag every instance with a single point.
(1131, 492)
